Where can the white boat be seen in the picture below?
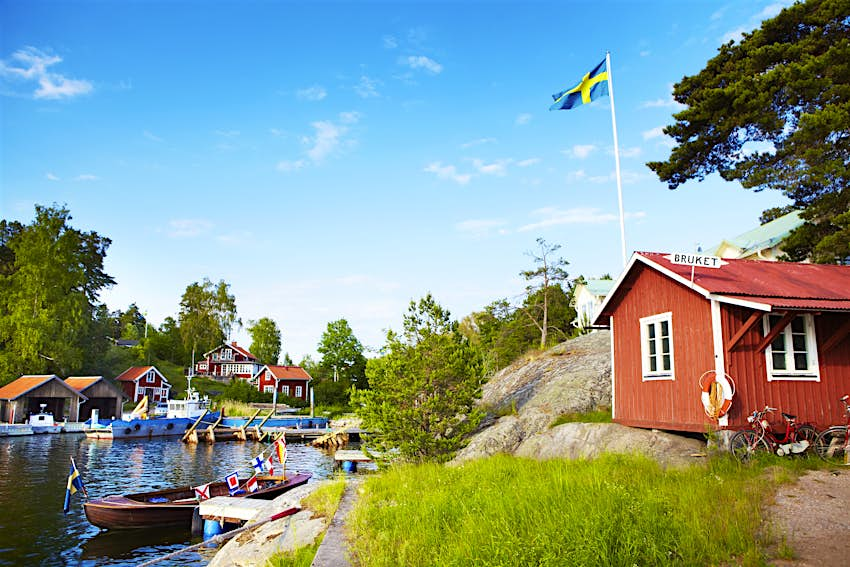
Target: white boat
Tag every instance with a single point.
(15, 429)
(192, 407)
(42, 422)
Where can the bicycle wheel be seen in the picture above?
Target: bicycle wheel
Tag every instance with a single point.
(831, 445)
(810, 434)
(745, 443)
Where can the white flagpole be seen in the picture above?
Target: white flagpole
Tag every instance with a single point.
(616, 155)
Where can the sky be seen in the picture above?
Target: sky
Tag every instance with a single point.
(337, 160)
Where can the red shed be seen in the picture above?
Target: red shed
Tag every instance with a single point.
(140, 381)
(777, 332)
(291, 381)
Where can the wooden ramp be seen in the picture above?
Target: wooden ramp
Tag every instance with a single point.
(216, 432)
(335, 438)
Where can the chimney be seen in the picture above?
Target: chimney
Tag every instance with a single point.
(234, 343)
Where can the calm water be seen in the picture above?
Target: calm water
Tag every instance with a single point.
(34, 473)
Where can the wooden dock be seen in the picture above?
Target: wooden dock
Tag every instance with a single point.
(216, 432)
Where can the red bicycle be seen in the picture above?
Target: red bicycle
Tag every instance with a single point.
(796, 440)
(833, 444)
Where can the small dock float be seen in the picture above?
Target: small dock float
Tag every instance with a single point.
(347, 459)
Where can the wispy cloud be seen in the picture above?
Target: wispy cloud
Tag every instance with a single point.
(498, 167)
(528, 162)
(51, 177)
(389, 42)
(553, 216)
(523, 119)
(367, 87)
(291, 165)
(313, 93)
(227, 133)
(772, 10)
(580, 151)
(30, 65)
(733, 35)
(86, 177)
(422, 62)
(668, 102)
(152, 137)
(626, 152)
(326, 140)
(188, 228)
(478, 228)
(447, 172)
(478, 142)
(656, 132)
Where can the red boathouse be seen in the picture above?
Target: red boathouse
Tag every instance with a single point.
(779, 331)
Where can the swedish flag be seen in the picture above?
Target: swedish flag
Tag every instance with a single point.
(592, 86)
(75, 484)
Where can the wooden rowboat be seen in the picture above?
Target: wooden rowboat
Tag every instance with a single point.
(174, 506)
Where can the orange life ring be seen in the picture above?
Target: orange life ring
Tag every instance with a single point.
(717, 394)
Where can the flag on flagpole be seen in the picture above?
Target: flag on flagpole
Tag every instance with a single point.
(252, 485)
(232, 481)
(280, 446)
(269, 464)
(592, 86)
(75, 484)
(258, 462)
(202, 492)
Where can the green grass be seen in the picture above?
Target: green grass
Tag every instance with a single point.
(601, 415)
(325, 500)
(616, 510)
(301, 557)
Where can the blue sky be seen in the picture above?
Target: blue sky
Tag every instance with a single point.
(336, 160)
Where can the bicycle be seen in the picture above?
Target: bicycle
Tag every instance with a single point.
(833, 443)
(796, 439)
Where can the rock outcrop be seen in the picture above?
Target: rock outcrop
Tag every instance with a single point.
(524, 399)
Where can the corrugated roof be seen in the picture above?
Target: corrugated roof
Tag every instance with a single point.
(133, 373)
(26, 384)
(599, 287)
(288, 372)
(765, 236)
(80, 383)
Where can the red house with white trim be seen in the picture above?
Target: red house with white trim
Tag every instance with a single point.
(779, 331)
(140, 381)
(228, 361)
(292, 381)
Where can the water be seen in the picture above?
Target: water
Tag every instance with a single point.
(34, 473)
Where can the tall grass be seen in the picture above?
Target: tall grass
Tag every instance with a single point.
(616, 510)
(600, 415)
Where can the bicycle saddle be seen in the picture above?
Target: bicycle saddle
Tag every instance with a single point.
(788, 416)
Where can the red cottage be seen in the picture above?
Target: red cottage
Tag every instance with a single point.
(140, 381)
(778, 331)
(228, 361)
(291, 381)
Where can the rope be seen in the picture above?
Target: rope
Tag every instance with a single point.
(715, 400)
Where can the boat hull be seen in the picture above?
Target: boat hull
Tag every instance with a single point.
(143, 428)
(146, 510)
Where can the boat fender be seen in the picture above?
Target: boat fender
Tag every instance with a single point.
(127, 431)
(717, 393)
(169, 426)
(137, 427)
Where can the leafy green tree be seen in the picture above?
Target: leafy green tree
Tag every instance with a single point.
(241, 391)
(342, 355)
(207, 314)
(50, 277)
(549, 271)
(423, 389)
(265, 340)
(129, 324)
(166, 343)
(773, 112)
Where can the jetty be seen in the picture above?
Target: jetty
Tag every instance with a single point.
(217, 432)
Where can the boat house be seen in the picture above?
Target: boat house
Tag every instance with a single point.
(27, 394)
(102, 395)
(228, 360)
(292, 381)
(695, 347)
(140, 381)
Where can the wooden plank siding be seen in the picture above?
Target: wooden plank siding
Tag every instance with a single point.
(662, 404)
(813, 402)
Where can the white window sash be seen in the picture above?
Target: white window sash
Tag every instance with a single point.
(647, 374)
(810, 374)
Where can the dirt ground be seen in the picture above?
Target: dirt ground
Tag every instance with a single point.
(813, 515)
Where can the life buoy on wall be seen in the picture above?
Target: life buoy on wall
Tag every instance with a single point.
(717, 393)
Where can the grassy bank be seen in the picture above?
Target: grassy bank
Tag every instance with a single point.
(615, 510)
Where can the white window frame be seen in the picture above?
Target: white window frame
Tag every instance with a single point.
(150, 377)
(812, 373)
(284, 389)
(297, 391)
(645, 323)
(268, 389)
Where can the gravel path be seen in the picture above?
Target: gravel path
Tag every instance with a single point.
(813, 515)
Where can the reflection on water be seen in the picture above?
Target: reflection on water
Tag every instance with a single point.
(34, 472)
